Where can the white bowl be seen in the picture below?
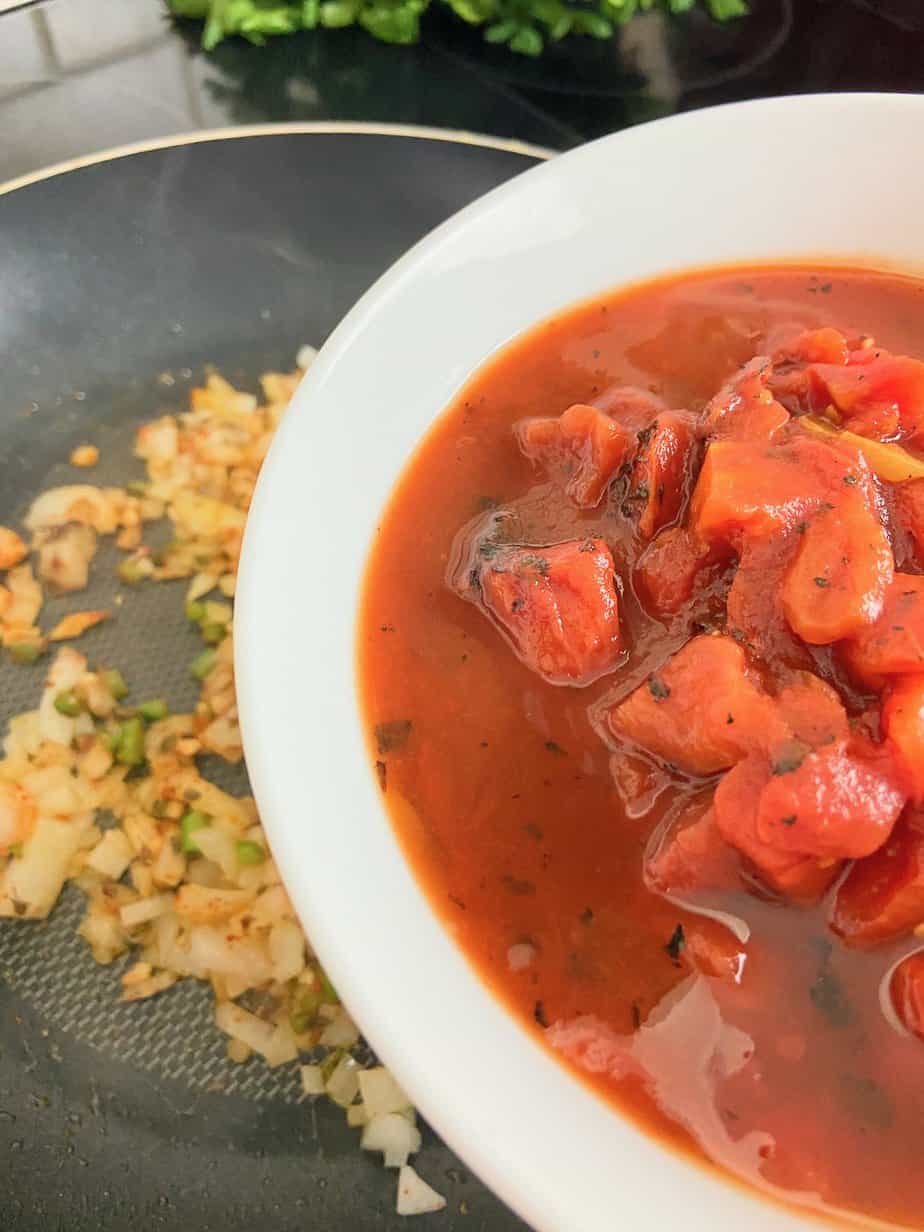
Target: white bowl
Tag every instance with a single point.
(804, 177)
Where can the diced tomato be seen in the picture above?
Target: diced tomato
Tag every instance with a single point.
(837, 582)
(789, 379)
(883, 895)
(909, 509)
(894, 645)
(877, 394)
(903, 723)
(745, 409)
(634, 408)
(754, 607)
(702, 711)
(583, 449)
(837, 802)
(812, 710)
(559, 606)
(691, 854)
(814, 346)
(801, 877)
(661, 472)
(752, 491)
(907, 991)
(713, 949)
(668, 569)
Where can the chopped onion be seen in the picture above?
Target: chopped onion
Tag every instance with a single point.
(202, 905)
(66, 671)
(343, 1084)
(112, 855)
(312, 1080)
(218, 847)
(381, 1094)
(241, 1025)
(415, 1196)
(287, 951)
(36, 878)
(394, 1136)
(145, 910)
(306, 357)
(77, 502)
(64, 556)
(341, 1031)
(244, 958)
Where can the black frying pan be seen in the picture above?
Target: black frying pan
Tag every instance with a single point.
(119, 280)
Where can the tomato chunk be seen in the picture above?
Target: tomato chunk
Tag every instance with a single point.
(712, 949)
(883, 895)
(668, 570)
(751, 491)
(745, 409)
(837, 582)
(661, 472)
(583, 449)
(909, 509)
(894, 645)
(701, 712)
(837, 802)
(907, 991)
(814, 346)
(691, 854)
(754, 608)
(878, 394)
(812, 710)
(795, 875)
(903, 723)
(559, 607)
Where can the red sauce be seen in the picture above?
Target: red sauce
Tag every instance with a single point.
(529, 817)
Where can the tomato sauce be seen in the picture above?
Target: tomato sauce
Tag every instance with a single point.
(648, 882)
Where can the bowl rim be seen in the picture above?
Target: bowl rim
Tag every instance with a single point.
(529, 1177)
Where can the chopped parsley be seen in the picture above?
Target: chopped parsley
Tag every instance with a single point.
(658, 689)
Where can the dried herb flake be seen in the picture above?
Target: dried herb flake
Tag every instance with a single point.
(676, 944)
(392, 736)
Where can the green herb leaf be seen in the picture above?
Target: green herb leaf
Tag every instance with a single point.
(523, 25)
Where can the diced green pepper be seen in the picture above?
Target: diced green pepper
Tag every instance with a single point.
(195, 611)
(129, 571)
(328, 992)
(203, 664)
(130, 748)
(153, 710)
(25, 652)
(304, 1012)
(250, 853)
(190, 823)
(214, 632)
(115, 683)
(112, 736)
(68, 704)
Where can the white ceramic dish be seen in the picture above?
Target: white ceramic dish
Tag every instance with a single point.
(786, 178)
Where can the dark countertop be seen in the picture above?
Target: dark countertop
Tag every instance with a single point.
(82, 75)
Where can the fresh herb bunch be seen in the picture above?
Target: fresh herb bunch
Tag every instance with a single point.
(525, 26)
